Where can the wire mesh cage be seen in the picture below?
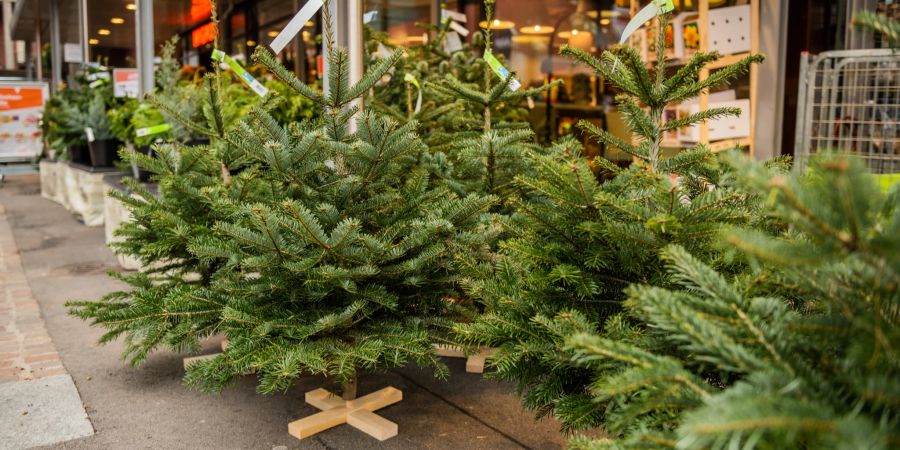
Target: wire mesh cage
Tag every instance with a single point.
(849, 102)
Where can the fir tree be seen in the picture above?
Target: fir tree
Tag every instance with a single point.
(164, 305)
(488, 154)
(578, 242)
(347, 267)
(799, 351)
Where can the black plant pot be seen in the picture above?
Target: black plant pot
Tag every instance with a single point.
(79, 154)
(104, 152)
(198, 141)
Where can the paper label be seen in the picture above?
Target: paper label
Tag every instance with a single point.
(89, 132)
(409, 78)
(155, 129)
(236, 67)
(655, 8)
(453, 15)
(459, 29)
(97, 76)
(452, 42)
(370, 16)
(95, 83)
(501, 71)
(295, 25)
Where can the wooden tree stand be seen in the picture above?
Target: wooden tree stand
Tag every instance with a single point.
(474, 363)
(192, 359)
(356, 413)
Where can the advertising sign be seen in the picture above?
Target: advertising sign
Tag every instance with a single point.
(21, 107)
(125, 83)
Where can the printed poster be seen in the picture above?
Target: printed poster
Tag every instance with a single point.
(125, 83)
(21, 108)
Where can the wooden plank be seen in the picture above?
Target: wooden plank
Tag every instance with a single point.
(727, 60)
(703, 25)
(475, 363)
(450, 351)
(372, 424)
(754, 72)
(320, 421)
(225, 345)
(729, 144)
(324, 400)
(193, 359)
(376, 400)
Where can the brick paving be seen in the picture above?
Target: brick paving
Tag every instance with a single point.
(26, 351)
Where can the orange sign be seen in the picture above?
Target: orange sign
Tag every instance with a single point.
(125, 82)
(200, 10)
(13, 98)
(21, 107)
(204, 34)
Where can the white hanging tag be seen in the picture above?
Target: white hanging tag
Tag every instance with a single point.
(655, 8)
(370, 16)
(89, 133)
(453, 15)
(452, 42)
(409, 78)
(530, 103)
(295, 25)
(382, 51)
(459, 29)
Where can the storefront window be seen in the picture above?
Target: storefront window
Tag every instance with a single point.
(398, 19)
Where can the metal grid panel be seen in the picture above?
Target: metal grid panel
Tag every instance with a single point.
(849, 101)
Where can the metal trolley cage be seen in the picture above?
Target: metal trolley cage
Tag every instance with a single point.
(849, 102)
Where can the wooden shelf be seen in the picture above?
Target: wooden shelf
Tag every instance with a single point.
(703, 25)
(728, 144)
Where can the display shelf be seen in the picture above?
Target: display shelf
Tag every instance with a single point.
(703, 12)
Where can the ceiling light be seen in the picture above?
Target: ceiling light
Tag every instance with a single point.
(93, 41)
(131, 7)
(103, 32)
(498, 24)
(605, 21)
(272, 33)
(251, 43)
(310, 23)
(117, 21)
(537, 29)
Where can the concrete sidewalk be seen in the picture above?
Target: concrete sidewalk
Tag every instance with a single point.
(148, 407)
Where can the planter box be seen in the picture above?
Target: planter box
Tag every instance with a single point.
(77, 187)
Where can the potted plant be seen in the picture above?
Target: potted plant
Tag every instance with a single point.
(102, 145)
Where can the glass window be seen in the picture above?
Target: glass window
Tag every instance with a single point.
(398, 19)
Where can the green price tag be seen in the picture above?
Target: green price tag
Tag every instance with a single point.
(501, 71)
(155, 129)
(409, 78)
(257, 87)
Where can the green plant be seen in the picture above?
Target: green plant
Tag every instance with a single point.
(578, 241)
(799, 351)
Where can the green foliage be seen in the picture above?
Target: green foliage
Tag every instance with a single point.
(879, 23)
(167, 303)
(798, 352)
(348, 267)
(578, 242)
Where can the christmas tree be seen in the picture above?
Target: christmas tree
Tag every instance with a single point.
(798, 351)
(348, 266)
(487, 154)
(164, 305)
(578, 242)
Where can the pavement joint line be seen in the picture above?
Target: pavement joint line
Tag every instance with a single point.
(462, 410)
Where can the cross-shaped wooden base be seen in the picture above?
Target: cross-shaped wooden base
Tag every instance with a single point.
(356, 413)
(474, 363)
